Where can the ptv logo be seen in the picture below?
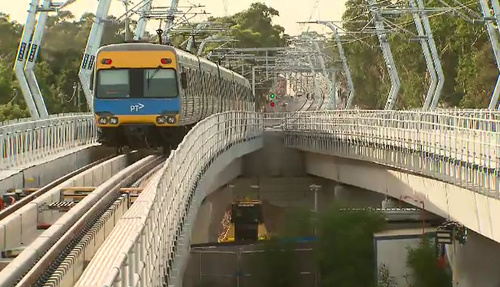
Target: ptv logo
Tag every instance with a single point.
(136, 107)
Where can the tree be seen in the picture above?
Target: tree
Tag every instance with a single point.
(299, 222)
(345, 247)
(466, 56)
(12, 111)
(274, 267)
(425, 271)
(384, 277)
(57, 64)
(254, 28)
(65, 39)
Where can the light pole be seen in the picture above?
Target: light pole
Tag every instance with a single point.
(315, 188)
(257, 187)
(231, 191)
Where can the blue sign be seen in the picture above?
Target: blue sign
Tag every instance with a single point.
(22, 50)
(32, 53)
(85, 60)
(91, 63)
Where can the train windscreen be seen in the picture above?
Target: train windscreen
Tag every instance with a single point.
(160, 83)
(136, 83)
(246, 213)
(113, 84)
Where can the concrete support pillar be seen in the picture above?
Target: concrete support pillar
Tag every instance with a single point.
(475, 264)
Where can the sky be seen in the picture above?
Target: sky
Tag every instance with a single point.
(291, 11)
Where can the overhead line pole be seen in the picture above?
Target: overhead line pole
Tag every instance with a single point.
(387, 53)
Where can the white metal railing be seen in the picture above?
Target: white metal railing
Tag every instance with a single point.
(25, 141)
(278, 119)
(142, 246)
(456, 146)
(24, 120)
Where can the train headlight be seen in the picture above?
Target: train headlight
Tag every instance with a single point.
(161, 120)
(171, 120)
(103, 121)
(113, 121)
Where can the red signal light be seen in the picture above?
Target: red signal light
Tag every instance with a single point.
(166, 61)
(272, 104)
(106, 61)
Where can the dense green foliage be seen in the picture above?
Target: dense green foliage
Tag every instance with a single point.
(250, 28)
(345, 249)
(425, 271)
(299, 222)
(58, 62)
(65, 39)
(274, 267)
(465, 52)
(385, 279)
(345, 253)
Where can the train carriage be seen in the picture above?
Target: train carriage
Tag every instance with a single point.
(149, 95)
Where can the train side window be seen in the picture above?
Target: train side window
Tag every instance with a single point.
(184, 83)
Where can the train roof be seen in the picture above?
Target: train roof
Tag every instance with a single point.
(137, 47)
(207, 64)
(178, 52)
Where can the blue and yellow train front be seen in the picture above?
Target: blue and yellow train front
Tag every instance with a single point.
(136, 98)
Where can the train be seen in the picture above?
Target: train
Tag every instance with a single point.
(149, 96)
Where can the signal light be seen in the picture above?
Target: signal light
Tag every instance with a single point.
(106, 61)
(272, 96)
(166, 61)
(272, 104)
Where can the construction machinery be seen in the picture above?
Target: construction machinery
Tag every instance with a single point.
(244, 222)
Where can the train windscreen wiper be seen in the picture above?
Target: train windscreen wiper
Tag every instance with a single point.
(152, 75)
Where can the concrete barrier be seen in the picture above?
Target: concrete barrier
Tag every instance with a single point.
(20, 228)
(73, 266)
(50, 170)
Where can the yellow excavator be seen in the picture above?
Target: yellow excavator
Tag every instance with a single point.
(244, 222)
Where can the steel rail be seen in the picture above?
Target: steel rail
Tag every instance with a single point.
(111, 190)
(25, 200)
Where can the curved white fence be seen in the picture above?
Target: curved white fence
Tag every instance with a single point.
(25, 141)
(26, 120)
(456, 146)
(141, 248)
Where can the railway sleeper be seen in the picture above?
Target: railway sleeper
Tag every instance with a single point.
(36, 268)
(79, 192)
(70, 267)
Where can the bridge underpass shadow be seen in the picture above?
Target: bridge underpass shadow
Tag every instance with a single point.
(276, 161)
(228, 266)
(220, 264)
(276, 175)
(470, 267)
(412, 188)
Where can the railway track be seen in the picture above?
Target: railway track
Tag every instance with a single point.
(28, 195)
(279, 122)
(85, 215)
